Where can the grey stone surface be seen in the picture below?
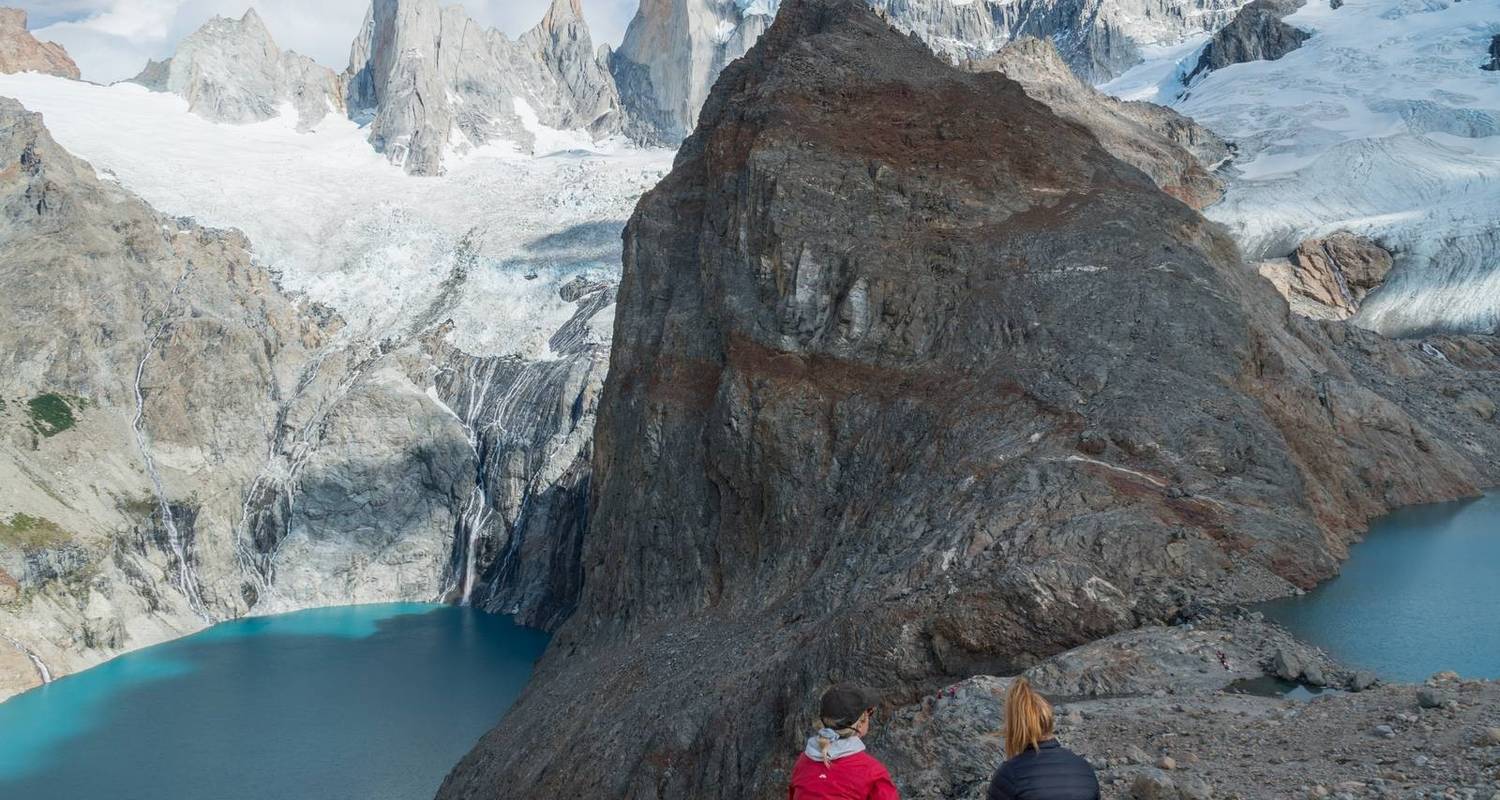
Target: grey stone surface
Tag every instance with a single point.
(431, 81)
(21, 52)
(1255, 34)
(232, 71)
(861, 327)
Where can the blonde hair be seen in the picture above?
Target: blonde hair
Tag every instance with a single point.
(1028, 718)
(824, 743)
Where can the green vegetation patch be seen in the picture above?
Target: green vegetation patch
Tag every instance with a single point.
(31, 533)
(52, 414)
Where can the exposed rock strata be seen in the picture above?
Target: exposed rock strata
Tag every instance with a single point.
(1256, 33)
(232, 71)
(431, 81)
(912, 379)
(1176, 152)
(1494, 63)
(21, 52)
(1329, 278)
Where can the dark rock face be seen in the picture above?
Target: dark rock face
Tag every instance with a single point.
(912, 379)
(1494, 63)
(1176, 152)
(1255, 34)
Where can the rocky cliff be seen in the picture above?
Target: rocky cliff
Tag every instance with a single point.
(674, 49)
(181, 441)
(431, 81)
(1255, 34)
(21, 52)
(232, 71)
(1176, 152)
(912, 379)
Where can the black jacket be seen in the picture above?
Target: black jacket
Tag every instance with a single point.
(1052, 772)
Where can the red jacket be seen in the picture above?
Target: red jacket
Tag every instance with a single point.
(857, 776)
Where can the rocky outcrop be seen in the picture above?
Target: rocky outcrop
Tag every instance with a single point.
(1257, 33)
(1187, 738)
(232, 71)
(1329, 278)
(674, 49)
(912, 379)
(1176, 152)
(430, 81)
(21, 52)
(1494, 63)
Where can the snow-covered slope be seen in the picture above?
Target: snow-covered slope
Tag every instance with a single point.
(352, 231)
(1381, 123)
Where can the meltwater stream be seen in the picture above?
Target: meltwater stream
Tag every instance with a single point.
(1420, 595)
(355, 703)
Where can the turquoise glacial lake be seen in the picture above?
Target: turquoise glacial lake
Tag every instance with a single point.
(1420, 595)
(355, 703)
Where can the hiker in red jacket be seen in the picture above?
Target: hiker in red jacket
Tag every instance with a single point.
(835, 766)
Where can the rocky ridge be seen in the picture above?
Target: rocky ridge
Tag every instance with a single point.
(898, 395)
(232, 71)
(1179, 154)
(21, 52)
(674, 49)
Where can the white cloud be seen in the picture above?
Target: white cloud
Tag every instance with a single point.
(111, 39)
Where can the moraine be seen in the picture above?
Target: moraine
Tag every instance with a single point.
(371, 702)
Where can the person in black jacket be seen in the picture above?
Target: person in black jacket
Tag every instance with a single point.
(1037, 767)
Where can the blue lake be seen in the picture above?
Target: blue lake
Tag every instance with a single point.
(1420, 595)
(358, 703)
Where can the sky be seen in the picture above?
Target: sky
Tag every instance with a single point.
(111, 39)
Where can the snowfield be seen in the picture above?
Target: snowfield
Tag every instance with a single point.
(339, 224)
(1382, 123)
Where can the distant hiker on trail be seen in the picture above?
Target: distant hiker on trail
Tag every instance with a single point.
(835, 766)
(1037, 767)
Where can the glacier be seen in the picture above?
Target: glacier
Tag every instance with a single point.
(1382, 124)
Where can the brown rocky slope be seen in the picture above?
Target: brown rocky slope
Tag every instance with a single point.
(21, 52)
(912, 380)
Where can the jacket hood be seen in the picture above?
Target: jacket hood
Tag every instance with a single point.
(846, 746)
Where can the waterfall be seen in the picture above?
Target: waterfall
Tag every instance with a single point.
(36, 660)
(187, 580)
(503, 404)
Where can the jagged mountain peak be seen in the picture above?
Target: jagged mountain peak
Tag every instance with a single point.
(22, 52)
(562, 12)
(434, 83)
(231, 70)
